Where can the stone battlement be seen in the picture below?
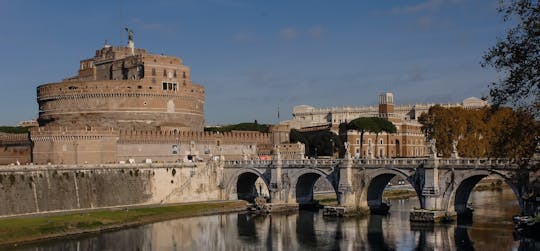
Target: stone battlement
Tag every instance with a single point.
(154, 136)
(18, 138)
(77, 89)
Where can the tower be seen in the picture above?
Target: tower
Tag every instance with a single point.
(386, 104)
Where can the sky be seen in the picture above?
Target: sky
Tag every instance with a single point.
(255, 56)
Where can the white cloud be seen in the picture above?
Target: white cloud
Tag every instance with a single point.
(243, 37)
(316, 31)
(288, 33)
(427, 5)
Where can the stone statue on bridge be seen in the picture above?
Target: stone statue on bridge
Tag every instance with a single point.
(433, 148)
(455, 154)
(370, 151)
(347, 152)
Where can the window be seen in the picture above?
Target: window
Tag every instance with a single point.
(174, 74)
(153, 71)
(357, 141)
(184, 74)
(381, 141)
(170, 86)
(164, 73)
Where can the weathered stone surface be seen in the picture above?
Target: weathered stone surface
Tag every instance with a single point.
(35, 189)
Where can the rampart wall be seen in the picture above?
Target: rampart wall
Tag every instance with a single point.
(15, 148)
(60, 145)
(170, 146)
(47, 188)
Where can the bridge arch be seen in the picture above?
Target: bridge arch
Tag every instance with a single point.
(456, 200)
(302, 184)
(243, 184)
(372, 195)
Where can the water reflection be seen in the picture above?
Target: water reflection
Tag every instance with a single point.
(491, 230)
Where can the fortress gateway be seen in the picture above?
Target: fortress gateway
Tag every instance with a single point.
(126, 104)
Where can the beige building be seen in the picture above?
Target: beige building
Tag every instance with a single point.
(309, 116)
(409, 141)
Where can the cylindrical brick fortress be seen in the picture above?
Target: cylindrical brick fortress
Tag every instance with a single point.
(120, 89)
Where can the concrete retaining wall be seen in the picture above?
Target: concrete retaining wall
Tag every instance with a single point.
(35, 189)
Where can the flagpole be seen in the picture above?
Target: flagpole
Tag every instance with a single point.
(277, 114)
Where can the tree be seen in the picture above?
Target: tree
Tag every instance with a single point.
(382, 125)
(362, 125)
(371, 124)
(318, 143)
(496, 132)
(518, 57)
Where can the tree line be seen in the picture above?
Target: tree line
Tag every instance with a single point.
(487, 132)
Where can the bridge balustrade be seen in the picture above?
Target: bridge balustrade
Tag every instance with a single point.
(398, 162)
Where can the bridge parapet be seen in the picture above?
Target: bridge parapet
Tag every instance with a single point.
(249, 163)
(299, 163)
(408, 162)
(469, 163)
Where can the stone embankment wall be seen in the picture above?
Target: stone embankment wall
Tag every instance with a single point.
(38, 189)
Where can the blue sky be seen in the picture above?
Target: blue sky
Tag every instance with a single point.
(252, 56)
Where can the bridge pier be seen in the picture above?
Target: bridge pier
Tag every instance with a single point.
(433, 209)
(280, 187)
(347, 195)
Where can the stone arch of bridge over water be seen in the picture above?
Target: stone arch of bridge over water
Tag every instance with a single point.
(372, 195)
(302, 184)
(456, 199)
(243, 185)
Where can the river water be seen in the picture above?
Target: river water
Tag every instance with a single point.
(492, 229)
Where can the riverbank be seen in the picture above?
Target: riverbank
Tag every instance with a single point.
(398, 194)
(329, 199)
(485, 185)
(15, 231)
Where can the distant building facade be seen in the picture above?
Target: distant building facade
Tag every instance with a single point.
(309, 116)
(409, 141)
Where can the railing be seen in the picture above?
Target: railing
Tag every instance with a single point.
(392, 162)
(397, 162)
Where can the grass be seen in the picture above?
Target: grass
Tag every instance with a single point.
(398, 194)
(14, 230)
(486, 185)
(328, 199)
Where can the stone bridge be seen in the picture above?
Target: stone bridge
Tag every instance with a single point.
(442, 185)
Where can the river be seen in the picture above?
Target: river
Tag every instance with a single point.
(492, 229)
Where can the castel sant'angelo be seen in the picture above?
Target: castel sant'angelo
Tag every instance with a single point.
(128, 105)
